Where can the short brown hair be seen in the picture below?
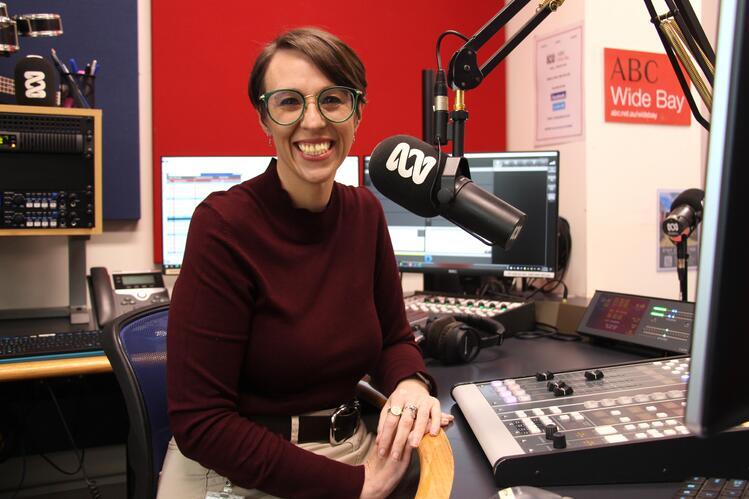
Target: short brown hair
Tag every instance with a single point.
(336, 60)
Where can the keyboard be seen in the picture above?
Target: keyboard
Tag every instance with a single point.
(702, 487)
(46, 344)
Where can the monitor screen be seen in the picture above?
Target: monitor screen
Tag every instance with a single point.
(716, 400)
(187, 180)
(527, 180)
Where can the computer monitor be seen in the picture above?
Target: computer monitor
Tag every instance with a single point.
(187, 180)
(527, 180)
(716, 397)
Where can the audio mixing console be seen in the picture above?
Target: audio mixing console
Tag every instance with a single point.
(514, 315)
(615, 424)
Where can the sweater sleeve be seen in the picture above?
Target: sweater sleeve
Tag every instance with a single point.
(209, 319)
(400, 357)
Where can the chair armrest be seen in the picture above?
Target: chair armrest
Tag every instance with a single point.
(436, 464)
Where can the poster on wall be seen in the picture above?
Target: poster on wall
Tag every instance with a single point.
(666, 249)
(559, 87)
(641, 87)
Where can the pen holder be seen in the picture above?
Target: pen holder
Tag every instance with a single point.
(86, 84)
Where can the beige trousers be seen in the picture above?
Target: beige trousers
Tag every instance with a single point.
(183, 478)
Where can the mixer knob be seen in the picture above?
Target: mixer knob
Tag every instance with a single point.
(550, 429)
(18, 219)
(544, 376)
(553, 385)
(560, 440)
(563, 391)
(593, 375)
(19, 199)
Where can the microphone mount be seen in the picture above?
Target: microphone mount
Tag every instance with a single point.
(465, 73)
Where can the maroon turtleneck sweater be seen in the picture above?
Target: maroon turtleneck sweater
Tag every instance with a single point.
(280, 311)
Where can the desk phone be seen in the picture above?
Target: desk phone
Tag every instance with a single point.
(123, 292)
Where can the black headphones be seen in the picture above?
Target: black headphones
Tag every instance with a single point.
(457, 339)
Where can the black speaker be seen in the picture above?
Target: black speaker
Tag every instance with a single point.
(457, 339)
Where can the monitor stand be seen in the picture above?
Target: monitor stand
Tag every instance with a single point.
(453, 283)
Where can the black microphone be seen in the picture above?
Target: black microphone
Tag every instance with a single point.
(36, 82)
(685, 214)
(440, 108)
(409, 172)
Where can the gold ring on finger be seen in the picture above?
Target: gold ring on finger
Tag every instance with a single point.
(395, 410)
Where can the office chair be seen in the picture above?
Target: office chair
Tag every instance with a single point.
(135, 344)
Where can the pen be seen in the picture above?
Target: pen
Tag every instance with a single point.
(77, 95)
(73, 65)
(93, 67)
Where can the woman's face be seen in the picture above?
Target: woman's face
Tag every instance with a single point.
(309, 151)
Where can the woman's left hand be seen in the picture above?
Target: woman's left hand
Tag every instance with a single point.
(406, 417)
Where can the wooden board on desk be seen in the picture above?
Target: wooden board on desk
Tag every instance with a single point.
(34, 369)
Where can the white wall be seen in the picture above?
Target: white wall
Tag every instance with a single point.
(609, 180)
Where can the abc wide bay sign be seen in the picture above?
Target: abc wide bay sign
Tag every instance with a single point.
(641, 87)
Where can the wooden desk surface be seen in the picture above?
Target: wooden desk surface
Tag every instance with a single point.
(14, 371)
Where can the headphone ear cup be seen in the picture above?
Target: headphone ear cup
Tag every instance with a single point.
(461, 344)
(493, 331)
(432, 334)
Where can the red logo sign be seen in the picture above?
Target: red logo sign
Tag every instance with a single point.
(641, 87)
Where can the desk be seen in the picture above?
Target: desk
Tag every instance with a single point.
(38, 369)
(473, 474)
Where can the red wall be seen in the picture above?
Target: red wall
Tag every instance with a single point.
(203, 53)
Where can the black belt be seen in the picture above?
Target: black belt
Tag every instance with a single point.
(336, 427)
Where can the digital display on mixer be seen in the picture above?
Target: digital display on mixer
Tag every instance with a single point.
(618, 314)
(663, 324)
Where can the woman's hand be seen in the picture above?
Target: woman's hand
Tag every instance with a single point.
(383, 474)
(406, 417)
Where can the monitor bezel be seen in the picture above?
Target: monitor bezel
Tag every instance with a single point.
(720, 344)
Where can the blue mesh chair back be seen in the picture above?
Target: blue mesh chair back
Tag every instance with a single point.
(135, 344)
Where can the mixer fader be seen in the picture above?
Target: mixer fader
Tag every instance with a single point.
(610, 424)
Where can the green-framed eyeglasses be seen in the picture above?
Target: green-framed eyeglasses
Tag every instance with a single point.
(286, 106)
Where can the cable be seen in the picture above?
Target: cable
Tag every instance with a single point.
(544, 330)
(439, 42)
(90, 484)
(58, 468)
(23, 470)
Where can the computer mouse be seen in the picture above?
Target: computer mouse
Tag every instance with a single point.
(528, 492)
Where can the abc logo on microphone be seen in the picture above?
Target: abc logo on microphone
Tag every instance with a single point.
(36, 82)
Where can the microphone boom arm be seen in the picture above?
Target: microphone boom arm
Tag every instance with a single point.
(685, 41)
(464, 72)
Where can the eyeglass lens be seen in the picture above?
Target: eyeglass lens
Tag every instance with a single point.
(335, 104)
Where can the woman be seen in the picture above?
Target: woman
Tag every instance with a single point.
(287, 296)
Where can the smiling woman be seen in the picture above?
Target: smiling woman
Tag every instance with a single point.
(311, 140)
(292, 258)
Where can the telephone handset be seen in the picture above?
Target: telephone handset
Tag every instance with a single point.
(123, 292)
